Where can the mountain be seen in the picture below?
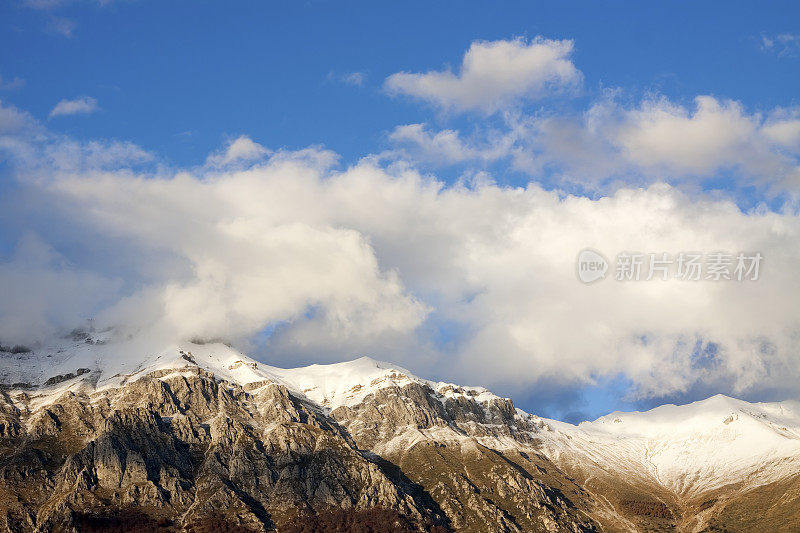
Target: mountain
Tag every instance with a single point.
(98, 434)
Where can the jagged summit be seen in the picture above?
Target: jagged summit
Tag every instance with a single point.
(112, 362)
(676, 457)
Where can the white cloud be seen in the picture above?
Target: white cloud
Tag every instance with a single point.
(494, 75)
(660, 137)
(376, 260)
(13, 120)
(38, 152)
(78, 106)
(662, 134)
(444, 147)
(354, 78)
(380, 259)
(12, 84)
(251, 265)
(656, 140)
(240, 150)
(57, 24)
(42, 292)
(71, 156)
(783, 44)
(783, 129)
(375, 253)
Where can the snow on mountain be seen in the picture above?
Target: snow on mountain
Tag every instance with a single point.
(112, 362)
(70, 363)
(686, 449)
(345, 383)
(348, 383)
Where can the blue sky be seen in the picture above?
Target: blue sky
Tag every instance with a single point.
(179, 77)
(688, 110)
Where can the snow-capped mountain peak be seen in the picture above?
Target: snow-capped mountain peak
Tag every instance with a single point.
(346, 383)
(690, 448)
(714, 413)
(685, 449)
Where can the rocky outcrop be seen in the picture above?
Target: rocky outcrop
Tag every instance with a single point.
(185, 448)
(201, 443)
(435, 439)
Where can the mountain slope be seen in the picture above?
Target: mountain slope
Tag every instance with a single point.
(99, 433)
(200, 437)
(682, 465)
(694, 448)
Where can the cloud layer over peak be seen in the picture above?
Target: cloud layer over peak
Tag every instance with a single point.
(450, 250)
(314, 262)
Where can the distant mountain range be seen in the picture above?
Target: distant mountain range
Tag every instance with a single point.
(103, 435)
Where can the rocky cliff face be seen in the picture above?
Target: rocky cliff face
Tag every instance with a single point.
(182, 449)
(453, 447)
(201, 438)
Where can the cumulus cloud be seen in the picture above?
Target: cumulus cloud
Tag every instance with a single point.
(494, 75)
(37, 151)
(783, 129)
(661, 138)
(717, 134)
(206, 267)
(78, 106)
(447, 146)
(317, 262)
(240, 150)
(289, 251)
(610, 143)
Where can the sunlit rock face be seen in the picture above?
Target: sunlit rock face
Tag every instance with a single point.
(203, 438)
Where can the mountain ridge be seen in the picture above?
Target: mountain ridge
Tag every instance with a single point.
(671, 466)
